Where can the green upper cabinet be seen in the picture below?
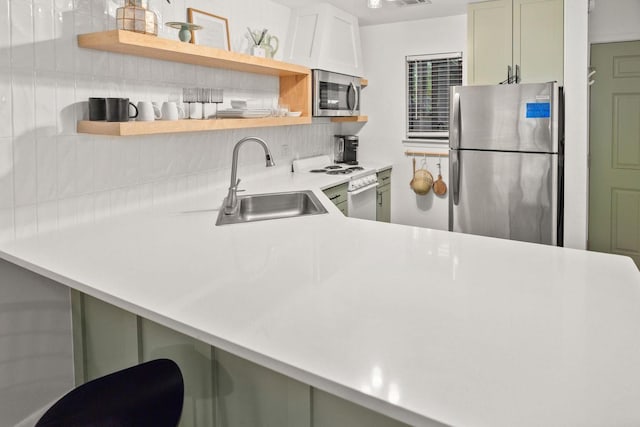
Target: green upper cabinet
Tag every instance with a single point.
(515, 38)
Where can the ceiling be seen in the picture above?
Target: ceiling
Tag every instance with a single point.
(389, 12)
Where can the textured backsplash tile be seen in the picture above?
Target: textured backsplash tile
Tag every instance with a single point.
(22, 46)
(44, 34)
(6, 174)
(5, 34)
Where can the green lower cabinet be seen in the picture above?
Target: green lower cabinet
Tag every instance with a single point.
(221, 390)
(195, 360)
(251, 395)
(338, 196)
(110, 338)
(344, 208)
(332, 411)
(383, 206)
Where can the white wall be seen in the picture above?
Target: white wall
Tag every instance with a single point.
(384, 48)
(576, 48)
(614, 21)
(50, 176)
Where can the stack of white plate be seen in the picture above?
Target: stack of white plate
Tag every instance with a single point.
(245, 109)
(241, 113)
(247, 104)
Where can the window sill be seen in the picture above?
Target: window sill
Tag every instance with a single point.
(438, 141)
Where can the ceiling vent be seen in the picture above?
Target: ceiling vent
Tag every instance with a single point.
(403, 3)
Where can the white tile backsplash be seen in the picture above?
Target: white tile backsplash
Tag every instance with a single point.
(5, 34)
(66, 152)
(52, 177)
(25, 170)
(6, 174)
(47, 216)
(47, 172)
(26, 221)
(44, 34)
(66, 104)
(23, 103)
(22, 46)
(6, 115)
(85, 157)
(45, 104)
(65, 44)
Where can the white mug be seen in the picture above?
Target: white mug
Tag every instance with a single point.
(172, 111)
(148, 112)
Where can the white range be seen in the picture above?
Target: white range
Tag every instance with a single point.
(361, 189)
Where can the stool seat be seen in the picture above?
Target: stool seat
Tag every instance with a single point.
(149, 394)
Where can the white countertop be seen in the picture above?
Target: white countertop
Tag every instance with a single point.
(416, 323)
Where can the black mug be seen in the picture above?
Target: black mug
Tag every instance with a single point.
(97, 109)
(118, 110)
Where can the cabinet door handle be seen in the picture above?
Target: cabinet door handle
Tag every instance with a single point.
(334, 197)
(518, 77)
(379, 199)
(509, 74)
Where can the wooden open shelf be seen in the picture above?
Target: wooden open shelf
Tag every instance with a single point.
(177, 126)
(132, 43)
(353, 119)
(295, 81)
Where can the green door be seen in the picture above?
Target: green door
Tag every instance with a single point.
(614, 175)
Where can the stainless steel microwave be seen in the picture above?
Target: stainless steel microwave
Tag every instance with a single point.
(335, 95)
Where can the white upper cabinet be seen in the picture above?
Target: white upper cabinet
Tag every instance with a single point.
(324, 37)
(515, 38)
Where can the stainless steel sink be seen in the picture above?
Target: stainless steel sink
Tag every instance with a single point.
(261, 207)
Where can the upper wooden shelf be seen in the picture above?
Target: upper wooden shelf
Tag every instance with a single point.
(132, 43)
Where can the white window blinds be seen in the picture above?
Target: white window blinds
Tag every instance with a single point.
(429, 78)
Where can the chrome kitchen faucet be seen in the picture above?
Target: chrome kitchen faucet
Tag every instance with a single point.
(231, 201)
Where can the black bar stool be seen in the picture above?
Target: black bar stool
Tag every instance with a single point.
(149, 394)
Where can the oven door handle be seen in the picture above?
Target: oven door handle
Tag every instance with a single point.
(363, 189)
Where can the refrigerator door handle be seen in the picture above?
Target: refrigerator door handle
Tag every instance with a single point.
(454, 158)
(454, 132)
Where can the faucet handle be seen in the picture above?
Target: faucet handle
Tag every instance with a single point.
(235, 187)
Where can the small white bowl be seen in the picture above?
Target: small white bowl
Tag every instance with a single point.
(294, 113)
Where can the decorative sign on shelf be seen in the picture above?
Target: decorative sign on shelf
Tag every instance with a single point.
(214, 32)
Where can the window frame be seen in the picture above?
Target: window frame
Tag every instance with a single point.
(438, 136)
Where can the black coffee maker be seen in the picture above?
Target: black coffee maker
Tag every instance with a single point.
(346, 149)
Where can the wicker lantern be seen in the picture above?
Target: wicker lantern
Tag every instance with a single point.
(134, 16)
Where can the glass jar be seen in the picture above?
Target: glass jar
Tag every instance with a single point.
(135, 16)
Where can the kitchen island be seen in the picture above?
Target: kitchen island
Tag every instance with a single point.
(427, 327)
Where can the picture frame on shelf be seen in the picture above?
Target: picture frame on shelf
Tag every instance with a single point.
(214, 32)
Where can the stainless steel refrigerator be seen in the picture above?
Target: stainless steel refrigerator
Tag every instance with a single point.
(506, 161)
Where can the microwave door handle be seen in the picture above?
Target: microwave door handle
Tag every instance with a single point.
(356, 97)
